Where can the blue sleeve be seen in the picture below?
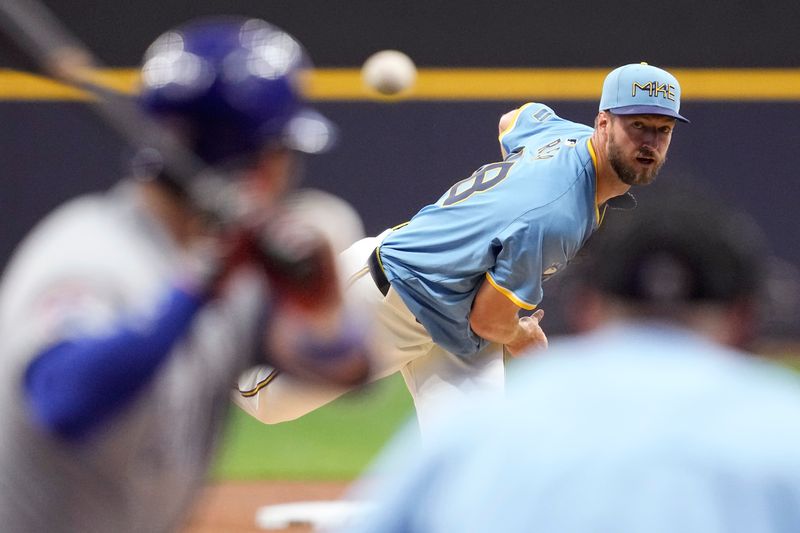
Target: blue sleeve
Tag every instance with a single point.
(76, 385)
(531, 250)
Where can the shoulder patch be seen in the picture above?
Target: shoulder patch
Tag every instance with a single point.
(542, 114)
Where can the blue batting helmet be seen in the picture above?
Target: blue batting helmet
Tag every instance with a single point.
(231, 87)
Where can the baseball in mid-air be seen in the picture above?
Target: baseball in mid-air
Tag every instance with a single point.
(389, 72)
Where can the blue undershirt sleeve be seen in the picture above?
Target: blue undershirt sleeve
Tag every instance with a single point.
(77, 385)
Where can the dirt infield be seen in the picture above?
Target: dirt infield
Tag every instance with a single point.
(230, 507)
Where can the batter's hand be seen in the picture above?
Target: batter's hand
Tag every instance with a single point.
(532, 337)
(318, 347)
(207, 261)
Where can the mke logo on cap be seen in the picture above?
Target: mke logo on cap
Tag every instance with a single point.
(654, 88)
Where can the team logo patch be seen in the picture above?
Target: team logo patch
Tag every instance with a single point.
(654, 89)
(571, 142)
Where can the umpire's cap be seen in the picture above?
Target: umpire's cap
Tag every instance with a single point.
(232, 86)
(682, 249)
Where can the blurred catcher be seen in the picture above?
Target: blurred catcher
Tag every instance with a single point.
(126, 316)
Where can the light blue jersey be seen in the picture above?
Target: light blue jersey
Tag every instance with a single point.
(634, 428)
(514, 223)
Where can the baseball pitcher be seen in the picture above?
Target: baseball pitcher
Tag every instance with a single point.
(448, 287)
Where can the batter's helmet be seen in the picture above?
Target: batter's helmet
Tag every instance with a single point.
(231, 86)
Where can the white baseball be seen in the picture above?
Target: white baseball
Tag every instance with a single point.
(389, 72)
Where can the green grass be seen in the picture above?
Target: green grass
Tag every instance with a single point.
(335, 442)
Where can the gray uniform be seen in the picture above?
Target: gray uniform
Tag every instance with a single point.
(92, 262)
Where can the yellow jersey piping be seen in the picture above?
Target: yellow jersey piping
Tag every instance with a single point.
(510, 295)
(260, 385)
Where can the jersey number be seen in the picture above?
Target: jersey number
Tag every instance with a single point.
(481, 180)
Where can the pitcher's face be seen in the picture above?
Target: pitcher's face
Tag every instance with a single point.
(637, 146)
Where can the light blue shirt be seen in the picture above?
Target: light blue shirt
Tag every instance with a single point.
(514, 223)
(628, 430)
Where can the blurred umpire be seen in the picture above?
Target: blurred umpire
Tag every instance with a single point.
(126, 317)
(653, 421)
